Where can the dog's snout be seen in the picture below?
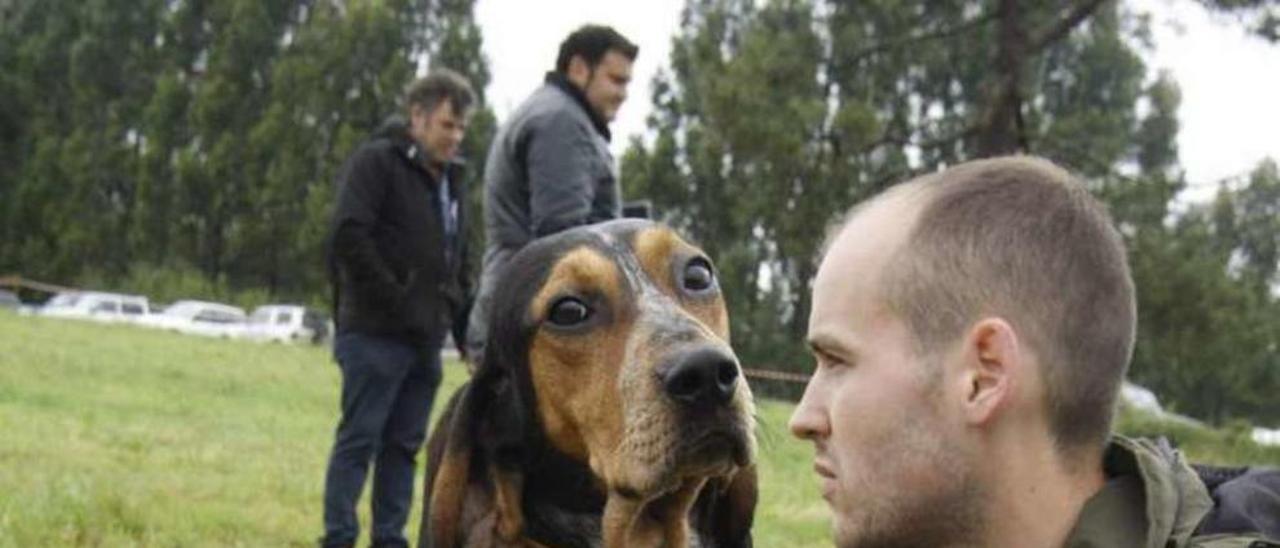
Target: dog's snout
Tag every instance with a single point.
(705, 376)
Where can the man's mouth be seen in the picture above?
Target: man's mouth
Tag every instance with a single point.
(823, 469)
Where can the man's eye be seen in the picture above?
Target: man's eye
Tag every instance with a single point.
(823, 360)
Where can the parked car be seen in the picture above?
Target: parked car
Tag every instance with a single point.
(201, 318)
(287, 323)
(97, 306)
(9, 300)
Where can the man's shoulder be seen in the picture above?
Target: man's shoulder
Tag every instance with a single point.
(377, 146)
(375, 153)
(1210, 507)
(371, 162)
(549, 106)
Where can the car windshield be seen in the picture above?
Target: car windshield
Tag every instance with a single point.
(261, 315)
(183, 309)
(63, 299)
(218, 316)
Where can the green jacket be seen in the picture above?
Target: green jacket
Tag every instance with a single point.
(1152, 499)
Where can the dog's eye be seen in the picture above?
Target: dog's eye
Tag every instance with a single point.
(698, 276)
(568, 312)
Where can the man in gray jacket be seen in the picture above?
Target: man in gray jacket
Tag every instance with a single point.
(549, 168)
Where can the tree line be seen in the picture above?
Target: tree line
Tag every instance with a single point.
(772, 119)
(201, 138)
(150, 140)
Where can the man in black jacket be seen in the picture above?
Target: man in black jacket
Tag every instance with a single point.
(549, 168)
(400, 278)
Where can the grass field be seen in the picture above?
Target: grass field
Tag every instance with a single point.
(119, 436)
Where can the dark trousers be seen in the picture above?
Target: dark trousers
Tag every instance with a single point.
(387, 390)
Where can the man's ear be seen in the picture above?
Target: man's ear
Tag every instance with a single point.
(417, 120)
(994, 364)
(579, 71)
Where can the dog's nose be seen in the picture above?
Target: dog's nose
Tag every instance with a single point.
(704, 376)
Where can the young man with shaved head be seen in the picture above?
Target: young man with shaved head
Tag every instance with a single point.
(971, 330)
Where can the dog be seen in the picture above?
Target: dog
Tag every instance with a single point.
(608, 410)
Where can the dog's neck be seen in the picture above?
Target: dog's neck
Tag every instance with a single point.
(553, 478)
(562, 501)
(564, 504)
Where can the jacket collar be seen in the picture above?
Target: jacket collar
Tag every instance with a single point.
(396, 130)
(569, 88)
(1151, 497)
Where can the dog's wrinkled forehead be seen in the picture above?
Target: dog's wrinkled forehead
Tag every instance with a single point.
(632, 262)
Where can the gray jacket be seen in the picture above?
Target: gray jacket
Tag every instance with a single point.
(549, 169)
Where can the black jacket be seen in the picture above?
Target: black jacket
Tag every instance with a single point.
(392, 272)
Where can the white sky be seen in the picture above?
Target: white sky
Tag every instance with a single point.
(1230, 82)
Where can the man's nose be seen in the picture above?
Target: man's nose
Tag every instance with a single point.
(807, 421)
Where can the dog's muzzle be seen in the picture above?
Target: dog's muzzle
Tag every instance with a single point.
(704, 377)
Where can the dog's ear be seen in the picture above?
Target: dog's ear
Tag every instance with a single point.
(726, 508)
(502, 414)
(449, 455)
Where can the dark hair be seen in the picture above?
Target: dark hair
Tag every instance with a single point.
(591, 42)
(1021, 238)
(429, 91)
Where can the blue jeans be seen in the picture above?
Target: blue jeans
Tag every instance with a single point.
(387, 390)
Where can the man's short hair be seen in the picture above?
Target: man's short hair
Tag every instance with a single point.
(1020, 238)
(431, 90)
(591, 42)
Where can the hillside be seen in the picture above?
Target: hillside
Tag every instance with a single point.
(117, 435)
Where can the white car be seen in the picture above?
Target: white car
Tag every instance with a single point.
(201, 318)
(9, 300)
(286, 323)
(97, 306)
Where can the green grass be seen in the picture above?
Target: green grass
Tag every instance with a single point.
(119, 436)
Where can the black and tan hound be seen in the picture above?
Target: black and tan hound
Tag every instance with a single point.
(609, 409)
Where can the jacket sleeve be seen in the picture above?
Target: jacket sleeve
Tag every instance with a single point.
(562, 180)
(361, 190)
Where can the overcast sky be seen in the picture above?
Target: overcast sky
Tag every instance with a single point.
(1230, 82)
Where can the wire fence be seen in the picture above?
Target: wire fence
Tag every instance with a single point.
(772, 375)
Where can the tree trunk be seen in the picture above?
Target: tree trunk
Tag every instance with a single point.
(1000, 124)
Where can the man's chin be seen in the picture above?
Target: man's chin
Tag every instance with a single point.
(441, 159)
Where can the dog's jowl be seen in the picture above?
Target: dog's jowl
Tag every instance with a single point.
(609, 410)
